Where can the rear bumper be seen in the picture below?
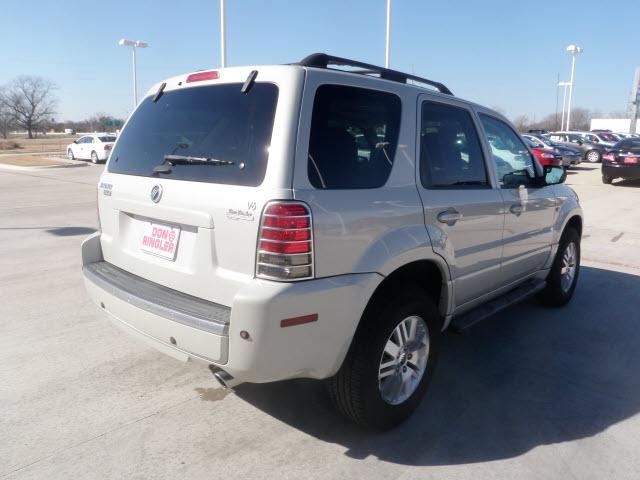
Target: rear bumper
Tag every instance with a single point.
(175, 325)
(617, 170)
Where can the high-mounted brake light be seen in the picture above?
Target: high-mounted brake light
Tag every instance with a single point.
(285, 242)
(201, 76)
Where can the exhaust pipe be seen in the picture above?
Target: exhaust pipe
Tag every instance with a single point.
(223, 378)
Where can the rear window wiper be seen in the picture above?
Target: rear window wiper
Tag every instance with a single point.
(171, 160)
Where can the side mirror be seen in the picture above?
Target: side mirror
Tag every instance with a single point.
(554, 175)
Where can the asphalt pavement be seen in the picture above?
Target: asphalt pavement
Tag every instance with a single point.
(533, 393)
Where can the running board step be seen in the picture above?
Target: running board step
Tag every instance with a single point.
(469, 319)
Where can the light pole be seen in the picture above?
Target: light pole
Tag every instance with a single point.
(387, 57)
(564, 101)
(574, 50)
(223, 36)
(133, 44)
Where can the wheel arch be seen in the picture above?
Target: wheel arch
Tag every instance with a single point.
(428, 274)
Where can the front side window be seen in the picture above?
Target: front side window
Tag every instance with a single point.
(514, 164)
(450, 152)
(353, 138)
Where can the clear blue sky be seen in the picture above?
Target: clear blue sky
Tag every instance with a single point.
(502, 53)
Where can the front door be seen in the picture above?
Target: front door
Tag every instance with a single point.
(463, 210)
(529, 209)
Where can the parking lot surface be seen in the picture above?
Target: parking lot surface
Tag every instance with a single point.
(531, 393)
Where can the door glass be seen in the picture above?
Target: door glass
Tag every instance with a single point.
(514, 164)
(450, 152)
(353, 138)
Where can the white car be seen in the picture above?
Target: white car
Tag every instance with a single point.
(92, 147)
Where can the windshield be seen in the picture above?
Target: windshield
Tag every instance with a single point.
(210, 121)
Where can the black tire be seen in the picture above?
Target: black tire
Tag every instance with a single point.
(606, 179)
(70, 155)
(94, 157)
(554, 294)
(355, 389)
(593, 156)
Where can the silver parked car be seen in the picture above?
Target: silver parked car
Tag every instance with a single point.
(299, 221)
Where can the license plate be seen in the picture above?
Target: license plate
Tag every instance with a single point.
(630, 159)
(160, 240)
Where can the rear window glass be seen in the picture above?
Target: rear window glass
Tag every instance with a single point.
(213, 122)
(354, 134)
(107, 139)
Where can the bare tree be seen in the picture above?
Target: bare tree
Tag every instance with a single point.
(581, 118)
(522, 123)
(31, 102)
(6, 117)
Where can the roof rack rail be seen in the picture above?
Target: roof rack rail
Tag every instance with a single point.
(323, 60)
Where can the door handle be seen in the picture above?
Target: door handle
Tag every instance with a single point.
(516, 208)
(450, 217)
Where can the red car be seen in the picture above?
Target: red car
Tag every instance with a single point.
(546, 156)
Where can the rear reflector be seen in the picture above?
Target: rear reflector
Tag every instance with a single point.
(201, 76)
(290, 322)
(285, 242)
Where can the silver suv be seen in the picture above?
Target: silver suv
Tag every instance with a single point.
(299, 220)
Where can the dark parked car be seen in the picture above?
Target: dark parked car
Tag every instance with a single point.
(570, 155)
(591, 152)
(623, 161)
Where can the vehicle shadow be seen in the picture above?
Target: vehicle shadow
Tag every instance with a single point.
(627, 183)
(530, 376)
(70, 231)
(584, 167)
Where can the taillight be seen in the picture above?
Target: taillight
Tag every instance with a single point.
(609, 157)
(285, 242)
(202, 76)
(107, 147)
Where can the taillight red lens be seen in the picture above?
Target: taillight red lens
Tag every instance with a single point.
(287, 248)
(609, 157)
(285, 243)
(201, 76)
(108, 147)
(286, 222)
(286, 235)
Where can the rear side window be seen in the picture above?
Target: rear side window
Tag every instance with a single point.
(107, 139)
(213, 122)
(353, 138)
(450, 152)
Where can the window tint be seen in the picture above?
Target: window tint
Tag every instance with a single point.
(353, 138)
(450, 152)
(514, 164)
(215, 121)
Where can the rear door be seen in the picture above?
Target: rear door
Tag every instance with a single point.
(463, 211)
(530, 210)
(193, 228)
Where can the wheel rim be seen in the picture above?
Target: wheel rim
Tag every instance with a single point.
(94, 158)
(569, 266)
(70, 155)
(592, 157)
(403, 360)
